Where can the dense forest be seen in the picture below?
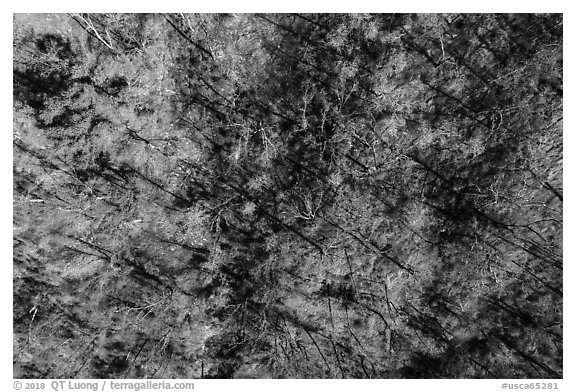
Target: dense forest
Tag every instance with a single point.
(287, 196)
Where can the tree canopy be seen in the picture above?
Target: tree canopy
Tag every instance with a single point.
(291, 195)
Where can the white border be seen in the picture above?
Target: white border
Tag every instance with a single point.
(294, 6)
